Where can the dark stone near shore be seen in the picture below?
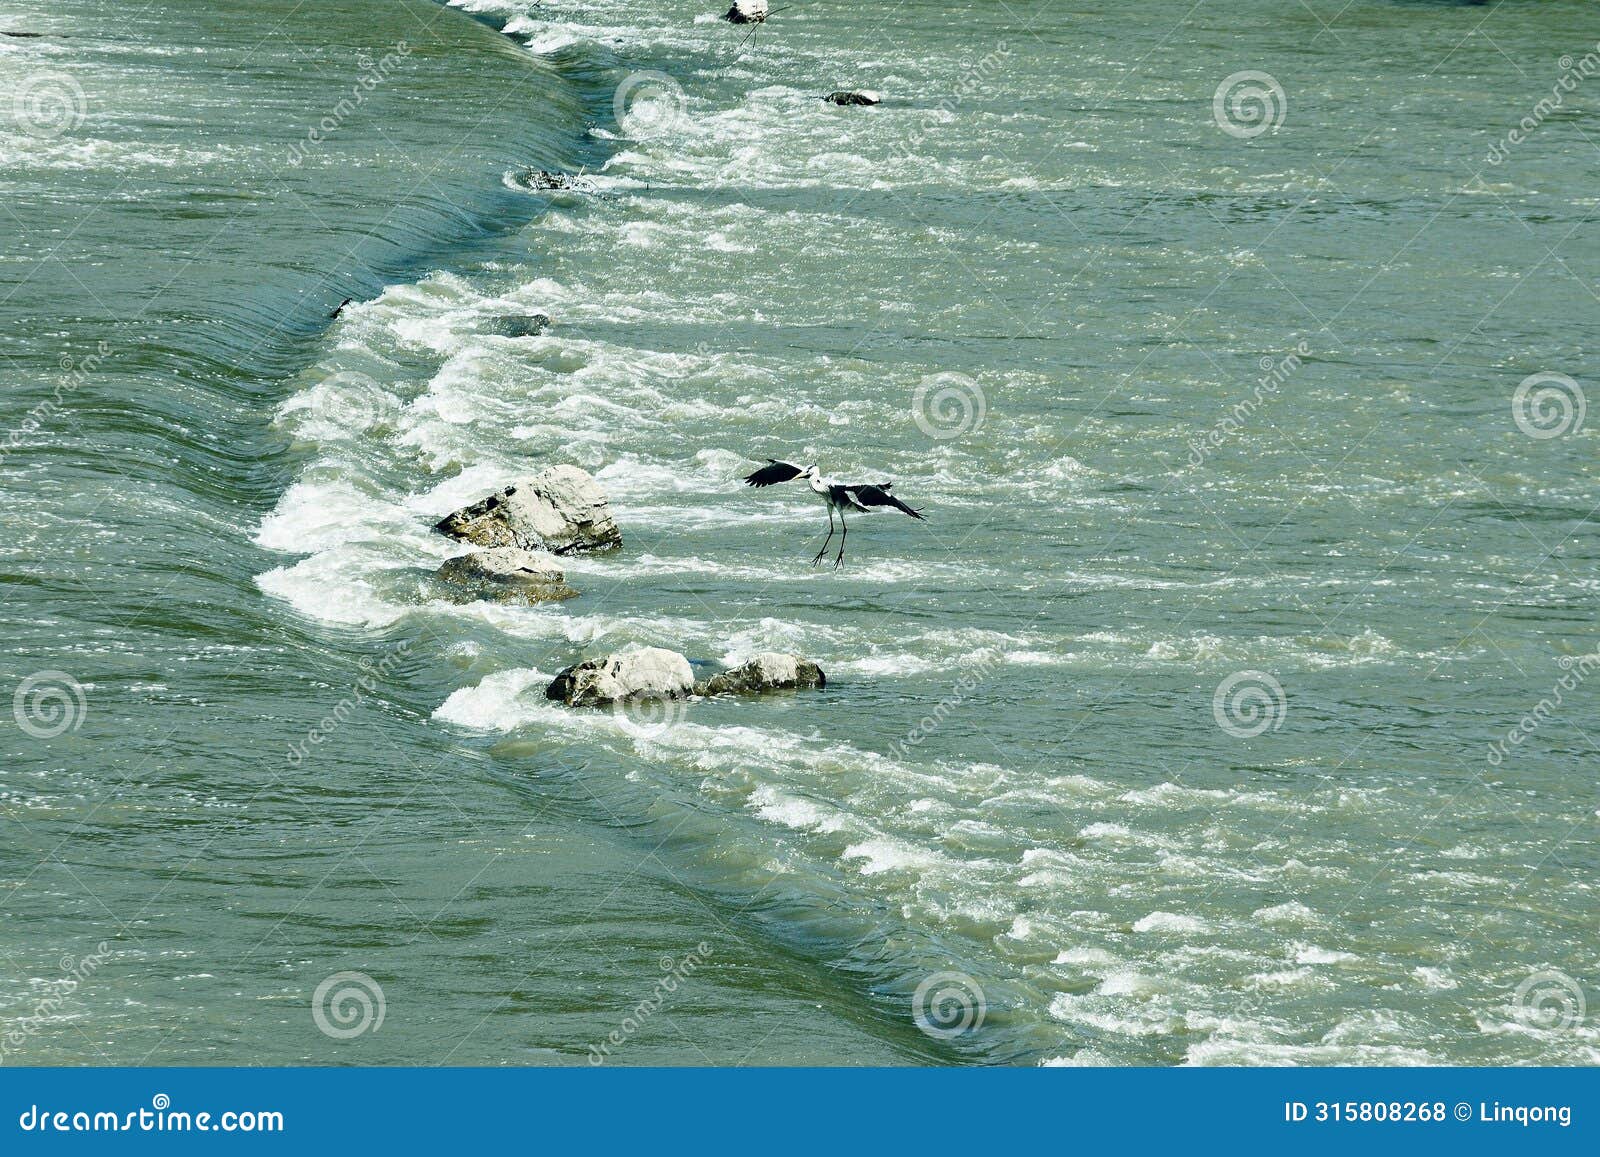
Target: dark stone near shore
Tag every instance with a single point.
(768, 671)
(561, 510)
(845, 96)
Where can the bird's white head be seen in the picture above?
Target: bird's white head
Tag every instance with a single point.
(813, 472)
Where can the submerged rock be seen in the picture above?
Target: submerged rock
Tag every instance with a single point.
(561, 510)
(518, 325)
(641, 673)
(845, 96)
(544, 180)
(768, 671)
(507, 573)
(747, 12)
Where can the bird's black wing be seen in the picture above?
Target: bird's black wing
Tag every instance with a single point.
(773, 474)
(844, 497)
(866, 496)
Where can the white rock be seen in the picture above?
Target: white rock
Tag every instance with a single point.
(640, 673)
(561, 510)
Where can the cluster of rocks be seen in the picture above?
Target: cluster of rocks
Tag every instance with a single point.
(656, 673)
(522, 529)
(857, 96)
(521, 532)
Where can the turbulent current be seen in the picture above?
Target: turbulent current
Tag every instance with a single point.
(1231, 706)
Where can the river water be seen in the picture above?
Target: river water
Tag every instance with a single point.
(1200, 722)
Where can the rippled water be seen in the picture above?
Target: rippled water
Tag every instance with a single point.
(1165, 739)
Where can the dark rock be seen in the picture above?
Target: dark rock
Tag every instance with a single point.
(768, 671)
(518, 325)
(507, 574)
(844, 96)
(545, 181)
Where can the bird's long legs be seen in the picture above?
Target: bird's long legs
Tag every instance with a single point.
(839, 559)
(827, 540)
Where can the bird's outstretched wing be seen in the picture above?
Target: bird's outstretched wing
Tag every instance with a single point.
(879, 495)
(774, 473)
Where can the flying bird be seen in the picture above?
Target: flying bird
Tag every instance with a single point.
(840, 496)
